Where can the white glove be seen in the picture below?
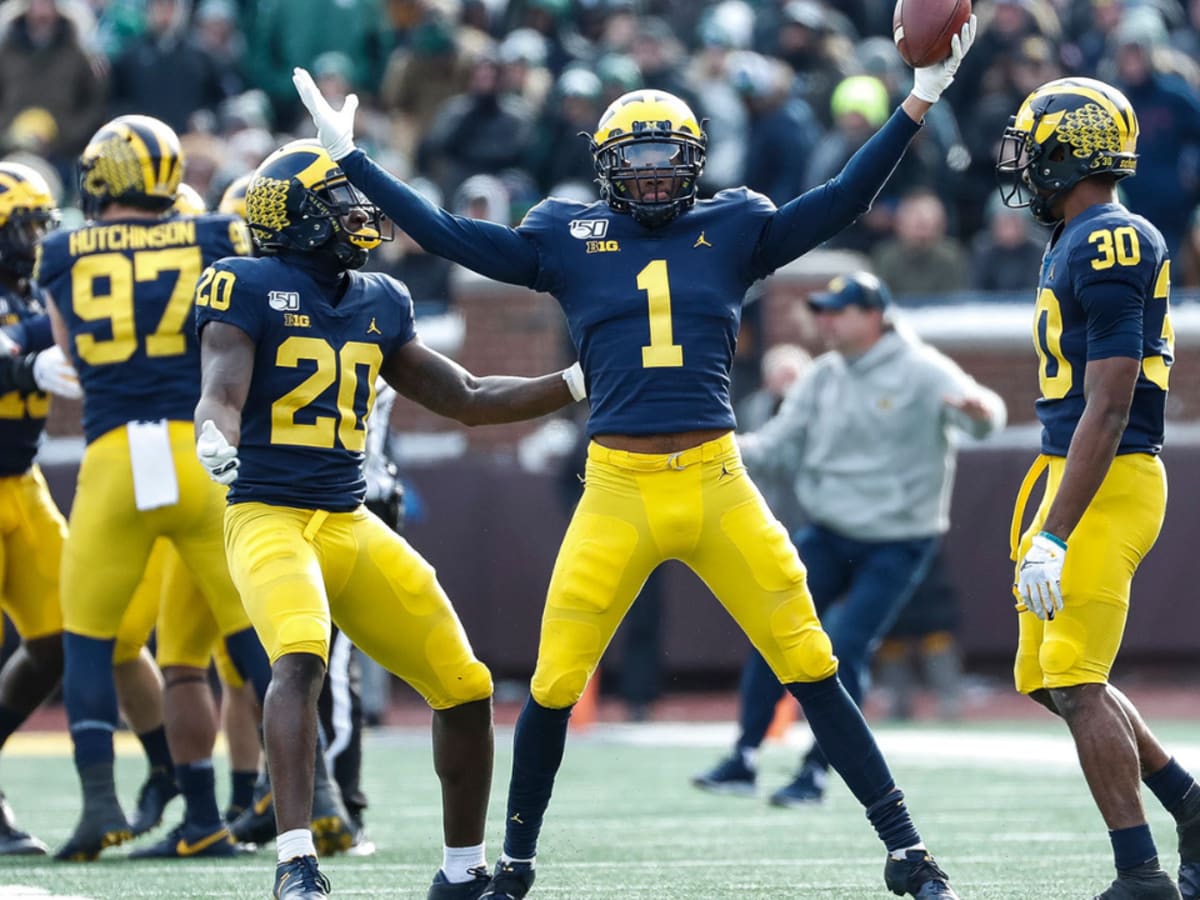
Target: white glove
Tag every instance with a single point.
(216, 454)
(1039, 577)
(54, 374)
(335, 127)
(8, 347)
(929, 82)
(574, 379)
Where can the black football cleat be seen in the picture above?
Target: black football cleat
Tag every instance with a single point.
(441, 889)
(93, 834)
(14, 841)
(510, 881)
(1142, 884)
(730, 776)
(918, 875)
(156, 792)
(256, 824)
(300, 879)
(332, 828)
(189, 842)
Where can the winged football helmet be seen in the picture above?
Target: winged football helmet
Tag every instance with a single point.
(649, 142)
(27, 212)
(133, 160)
(1065, 131)
(298, 200)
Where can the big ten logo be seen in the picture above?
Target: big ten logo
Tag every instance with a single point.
(603, 247)
(295, 320)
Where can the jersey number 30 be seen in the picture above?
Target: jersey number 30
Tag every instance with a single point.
(1055, 374)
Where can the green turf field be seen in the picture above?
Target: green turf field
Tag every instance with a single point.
(1002, 806)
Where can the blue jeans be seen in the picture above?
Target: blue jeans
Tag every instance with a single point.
(873, 580)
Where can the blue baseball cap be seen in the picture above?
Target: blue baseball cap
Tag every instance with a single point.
(858, 289)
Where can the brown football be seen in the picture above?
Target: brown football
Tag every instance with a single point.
(922, 28)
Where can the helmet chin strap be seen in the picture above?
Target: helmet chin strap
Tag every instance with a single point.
(654, 215)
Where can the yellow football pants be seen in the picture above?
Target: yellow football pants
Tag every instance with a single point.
(1079, 645)
(109, 541)
(698, 507)
(299, 569)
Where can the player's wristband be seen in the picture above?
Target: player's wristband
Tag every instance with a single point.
(575, 384)
(1054, 539)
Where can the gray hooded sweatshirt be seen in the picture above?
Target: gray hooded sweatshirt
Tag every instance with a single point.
(870, 442)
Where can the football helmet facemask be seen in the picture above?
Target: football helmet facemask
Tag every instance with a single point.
(27, 212)
(649, 153)
(133, 160)
(299, 199)
(1065, 131)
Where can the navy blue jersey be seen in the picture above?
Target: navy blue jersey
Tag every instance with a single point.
(320, 341)
(654, 312)
(22, 416)
(1104, 292)
(654, 315)
(124, 290)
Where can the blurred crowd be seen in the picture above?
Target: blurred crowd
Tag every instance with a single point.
(480, 103)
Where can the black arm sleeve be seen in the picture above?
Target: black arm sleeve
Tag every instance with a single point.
(16, 374)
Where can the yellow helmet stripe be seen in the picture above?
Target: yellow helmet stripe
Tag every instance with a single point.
(143, 155)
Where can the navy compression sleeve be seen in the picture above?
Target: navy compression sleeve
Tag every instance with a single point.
(492, 250)
(818, 214)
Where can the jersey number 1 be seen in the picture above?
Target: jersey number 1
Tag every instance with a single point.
(661, 353)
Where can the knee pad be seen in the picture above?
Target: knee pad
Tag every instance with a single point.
(301, 634)
(1058, 655)
(808, 656)
(473, 683)
(569, 655)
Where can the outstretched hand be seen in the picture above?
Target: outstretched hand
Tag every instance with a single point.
(335, 127)
(929, 82)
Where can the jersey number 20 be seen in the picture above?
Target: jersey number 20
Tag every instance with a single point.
(340, 366)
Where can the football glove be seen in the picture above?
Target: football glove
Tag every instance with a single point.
(54, 374)
(216, 454)
(575, 384)
(1039, 577)
(930, 81)
(335, 127)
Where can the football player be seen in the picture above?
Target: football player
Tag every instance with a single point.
(291, 345)
(31, 527)
(651, 281)
(1102, 332)
(119, 292)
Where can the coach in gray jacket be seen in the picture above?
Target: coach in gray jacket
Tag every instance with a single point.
(869, 436)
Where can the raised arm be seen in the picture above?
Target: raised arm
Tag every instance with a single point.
(443, 386)
(488, 248)
(820, 213)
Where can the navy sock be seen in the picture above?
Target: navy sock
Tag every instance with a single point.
(1133, 847)
(241, 793)
(10, 721)
(154, 742)
(538, 744)
(1170, 785)
(197, 783)
(250, 659)
(892, 822)
(845, 739)
(90, 696)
